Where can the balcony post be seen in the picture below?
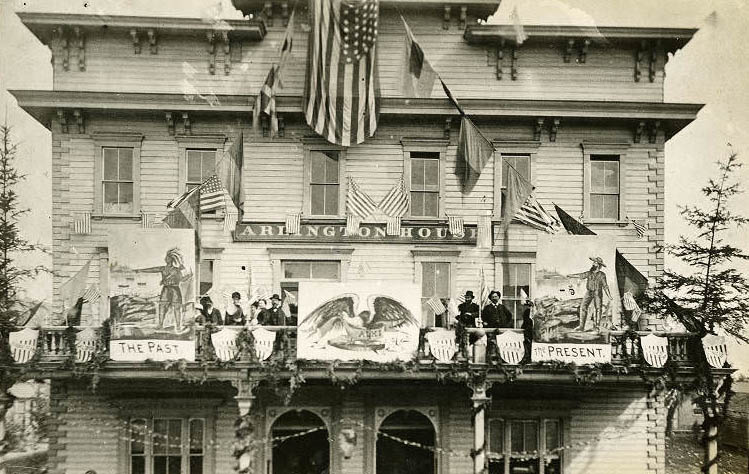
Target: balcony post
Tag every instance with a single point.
(481, 401)
(245, 433)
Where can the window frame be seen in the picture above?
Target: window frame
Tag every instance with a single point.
(213, 254)
(310, 146)
(427, 145)
(207, 142)
(510, 148)
(420, 256)
(116, 140)
(280, 254)
(596, 149)
(148, 443)
(541, 421)
(502, 258)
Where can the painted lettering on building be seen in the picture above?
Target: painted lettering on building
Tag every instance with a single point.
(434, 233)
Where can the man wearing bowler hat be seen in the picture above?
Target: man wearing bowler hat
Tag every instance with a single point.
(468, 312)
(595, 286)
(273, 316)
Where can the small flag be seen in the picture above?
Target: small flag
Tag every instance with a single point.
(640, 227)
(572, 225)
(82, 223)
(518, 191)
(436, 305)
(418, 74)
(484, 233)
(91, 294)
(393, 225)
(212, 195)
(483, 288)
(185, 213)
(455, 226)
(145, 220)
(629, 303)
(520, 35)
(358, 203)
(293, 222)
(474, 151)
(352, 225)
(289, 297)
(397, 201)
(340, 89)
(532, 213)
(72, 289)
(230, 221)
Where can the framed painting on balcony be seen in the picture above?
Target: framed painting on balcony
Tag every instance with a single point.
(151, 290)
(363, 320)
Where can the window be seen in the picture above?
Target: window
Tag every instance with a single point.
(167, 446)
(201, 164)
(516, 440)
(425, 184)
(206, 275)
(117, 174)
(324, 183)
(516, 280)
(521, 163)
(295, 271)
(604, 187)
(435, 281)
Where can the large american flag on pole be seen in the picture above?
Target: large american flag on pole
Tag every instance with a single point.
(341, 90)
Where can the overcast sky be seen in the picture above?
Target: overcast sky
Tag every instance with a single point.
(712, 69)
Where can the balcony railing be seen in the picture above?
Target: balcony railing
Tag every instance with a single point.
(58, 343)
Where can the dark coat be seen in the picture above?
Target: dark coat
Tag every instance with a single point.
(468, 312)
(236, 319)
(496, 317)
(273, 317)
(212, 317)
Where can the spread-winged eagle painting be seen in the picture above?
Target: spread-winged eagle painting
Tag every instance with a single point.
(362, 325)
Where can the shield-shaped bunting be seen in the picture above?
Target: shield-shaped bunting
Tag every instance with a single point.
(716, 350)
(225, 344)
(23, 344)
(85, 345)
(264, 340)
(655, 350)
(442, 345)
(510, 346)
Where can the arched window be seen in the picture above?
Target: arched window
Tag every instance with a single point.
(394, 456)
(308, 451)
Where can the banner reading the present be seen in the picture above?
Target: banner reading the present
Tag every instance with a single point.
(151, 290)
(576, 298)
(363, 320)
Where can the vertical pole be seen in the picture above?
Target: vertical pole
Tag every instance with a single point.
(711, 447)
(245, 432)
(480, 401)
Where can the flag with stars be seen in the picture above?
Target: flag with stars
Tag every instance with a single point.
(341, 88)
(212, 195)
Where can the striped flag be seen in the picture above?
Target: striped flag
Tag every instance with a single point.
(340, 91)
(532, 213)
(358, 203)
(629, 303)
(436, 305)
(397, 201)
(185, 213)
(418, 75)
(146, 219)
(230, 221)
(484, 232)
(265, 103)
(352, 224)
(293, 222)
(91, 294)
(455, 226)
(393, 226)
(82, 223)
(212, 195)
(640, 227)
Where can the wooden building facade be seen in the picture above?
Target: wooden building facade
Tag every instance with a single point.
(143, 108)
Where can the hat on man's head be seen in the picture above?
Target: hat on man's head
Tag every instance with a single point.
(236, 296)
(206, 300)
(597, 260)
(469, 293)
(497, 292)
(275, 297)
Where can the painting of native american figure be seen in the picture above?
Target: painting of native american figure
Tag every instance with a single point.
(151, 284)
(358, 321)
(576, 294)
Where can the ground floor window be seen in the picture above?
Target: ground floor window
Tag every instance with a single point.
(518, 442)
(300, 444)
(401, 442)
(167, 445)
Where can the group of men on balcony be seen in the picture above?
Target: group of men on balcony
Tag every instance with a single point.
(261, 313)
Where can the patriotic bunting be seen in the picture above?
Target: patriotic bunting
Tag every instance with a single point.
(293, 222)
(82, 223)
(146, 219)
(484, 233)
(393, 226)
(456, 226)
(230, 221)
(352, 224)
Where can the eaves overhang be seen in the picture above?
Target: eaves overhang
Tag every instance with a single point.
(44, 105)
(46, 26)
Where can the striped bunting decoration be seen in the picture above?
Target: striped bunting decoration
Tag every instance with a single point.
(352, 224)
(436, 305)
(293, 222)
(397, 201)
(82, 223)
(455, 226)
(358, 203)
(533, 214)
(640, 227)
(146, 220)
(393, 226)
(484, 232)
(230, 221)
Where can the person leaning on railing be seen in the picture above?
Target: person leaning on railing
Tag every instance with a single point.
(275, 315)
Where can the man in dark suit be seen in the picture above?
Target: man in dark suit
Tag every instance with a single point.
(468, 312)
(273, 316)
(494, 314)
(210, 315)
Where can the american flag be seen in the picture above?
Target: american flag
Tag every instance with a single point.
(230, 221)
(352, 224)
(397, 200)
(393, 226)
(341, 91)
(91, 294)
(436, 305)
(358, 203)
(455, 226)
(82, 223)
(639, 227)
(146, 220)
(293, 222)
(212, 195)
(533, 214)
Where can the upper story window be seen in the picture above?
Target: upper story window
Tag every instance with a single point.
(518, 162)
(604, 187)
(117, 174)
(201, 164)
(425, 183)
(324, 182)
(295, 271)
(167, 446)
(516, 282)
(435, 281)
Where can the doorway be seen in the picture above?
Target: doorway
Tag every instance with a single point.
(394, 455)
(306, 453)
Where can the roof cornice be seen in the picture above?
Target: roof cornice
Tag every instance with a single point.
(43, 105)
(494, 33)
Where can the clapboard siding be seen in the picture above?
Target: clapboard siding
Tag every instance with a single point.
(226, 417)
(469, 70)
